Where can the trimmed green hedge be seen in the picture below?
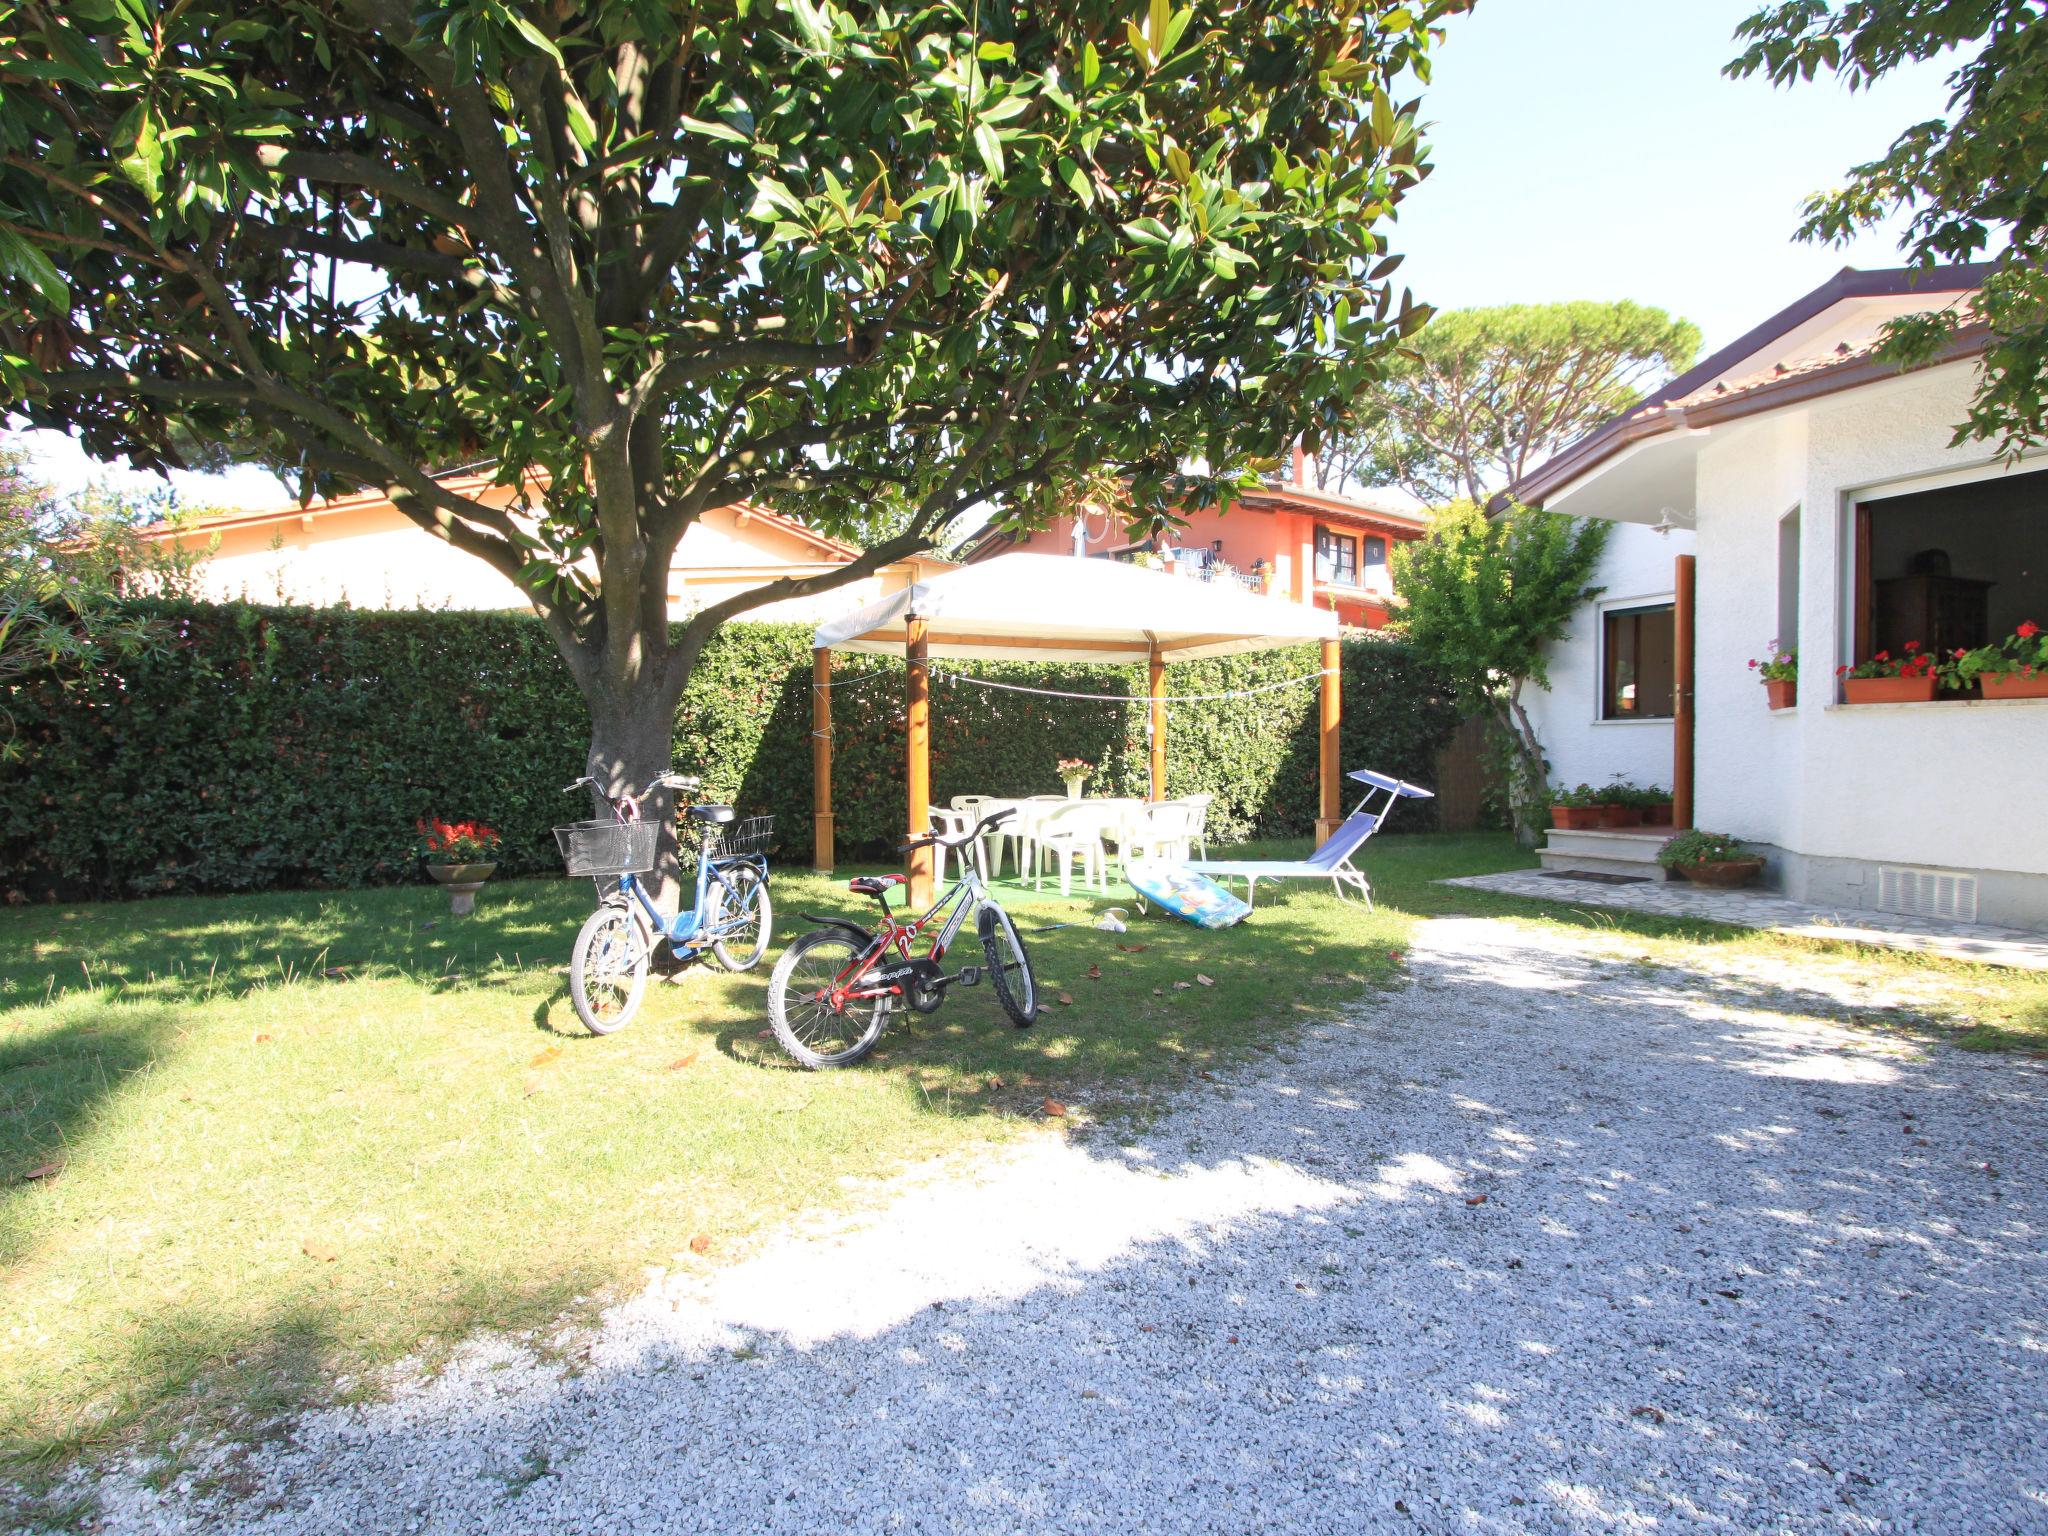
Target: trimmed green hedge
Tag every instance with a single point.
(273, 746)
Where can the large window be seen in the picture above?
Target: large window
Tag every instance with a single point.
(1337, 558)
(1638, 663)
(1953, 568)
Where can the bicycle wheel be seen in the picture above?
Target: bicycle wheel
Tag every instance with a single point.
(742, 920)
(608, 969)
(1009, 967)
(800, 1002)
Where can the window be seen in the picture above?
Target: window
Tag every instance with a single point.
(1376, 561)
(1638, 663)
(1952, 568)
(1337, 558)
(1788, 581)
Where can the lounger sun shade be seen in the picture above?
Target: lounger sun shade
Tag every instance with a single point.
(1332, 861)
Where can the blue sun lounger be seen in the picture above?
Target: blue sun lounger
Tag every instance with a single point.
(1332, 861)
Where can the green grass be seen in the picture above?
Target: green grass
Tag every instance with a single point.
(252, 1147)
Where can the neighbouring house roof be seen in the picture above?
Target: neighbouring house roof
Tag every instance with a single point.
(1380, 511)
(471, 482)
(1784, 361)
(1056, 608)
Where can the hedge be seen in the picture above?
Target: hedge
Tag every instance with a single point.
(295, 747)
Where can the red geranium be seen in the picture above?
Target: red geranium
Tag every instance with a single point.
(456, 842)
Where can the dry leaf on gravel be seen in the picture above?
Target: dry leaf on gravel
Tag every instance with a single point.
(1477, 1200)
(1065, 999)
(48, 1170)
(1055, 1108)
(1095, 973)
(700, 1244)
(1132, 949)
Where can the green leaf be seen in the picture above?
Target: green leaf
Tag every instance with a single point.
(537, 38)
(581, 126)
(1091, 67)
(21, 259)
(992, 52)
(1078, 180)
(711, 129)
(990, 148)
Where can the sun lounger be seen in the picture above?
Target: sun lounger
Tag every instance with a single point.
(1332, 861)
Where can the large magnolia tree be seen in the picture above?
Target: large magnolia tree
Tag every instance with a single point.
(668, 256)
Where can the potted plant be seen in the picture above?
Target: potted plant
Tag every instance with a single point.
(1621, 805)
(1654, 804)
(1907, 678)
(1780, 674)
(1576, 809)
(1075, 771)
(2015, 668)
(459, 855)
(1710, 858)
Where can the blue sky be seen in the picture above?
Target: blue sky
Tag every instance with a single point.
(1592, 149)
(1585, 149)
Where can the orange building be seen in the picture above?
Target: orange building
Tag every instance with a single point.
(1320, 549)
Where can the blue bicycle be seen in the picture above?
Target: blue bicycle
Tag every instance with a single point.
(732, 918)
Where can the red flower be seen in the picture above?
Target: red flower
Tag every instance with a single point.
(2028, 630)
(1752, 666)
(1912, 645)
(1882, 656)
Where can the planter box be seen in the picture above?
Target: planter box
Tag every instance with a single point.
(2010, 685)
(1888, 690)
(1620, 815)
(1575, 818)
(1781, 695)
(1657, 815)
(1723, 874)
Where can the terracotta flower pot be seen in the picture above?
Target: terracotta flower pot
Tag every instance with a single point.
(1781, 693)
(1621, 816)
(1888, 690)
(1722, 874)
(2010, 685)
(1574, 818)
(1658, 815)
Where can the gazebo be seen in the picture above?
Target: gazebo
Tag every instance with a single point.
(1056, 608)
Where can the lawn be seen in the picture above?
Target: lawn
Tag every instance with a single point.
(253, 1145)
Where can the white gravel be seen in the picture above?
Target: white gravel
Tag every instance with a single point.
(1546, 1241)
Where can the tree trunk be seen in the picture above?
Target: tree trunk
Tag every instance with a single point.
(632, 744)
(1528, 773)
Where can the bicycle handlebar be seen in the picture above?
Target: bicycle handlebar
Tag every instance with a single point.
(670, 780)
(934, 840)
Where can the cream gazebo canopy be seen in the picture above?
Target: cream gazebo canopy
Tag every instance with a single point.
(1057, 608)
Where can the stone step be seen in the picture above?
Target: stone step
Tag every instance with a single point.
(1628, 847)
(1594, 864)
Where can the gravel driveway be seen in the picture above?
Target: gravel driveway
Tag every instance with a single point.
(1545, 1241)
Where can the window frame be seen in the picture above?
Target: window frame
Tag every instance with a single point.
(1335, 537)
(1646, 603)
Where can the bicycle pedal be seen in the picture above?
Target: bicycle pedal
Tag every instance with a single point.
(969, 977)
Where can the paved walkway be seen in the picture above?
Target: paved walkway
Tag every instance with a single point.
(2026, 949)
(1542, 1242)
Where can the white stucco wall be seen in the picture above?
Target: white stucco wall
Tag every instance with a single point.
(1878, 784)
(1636, 569)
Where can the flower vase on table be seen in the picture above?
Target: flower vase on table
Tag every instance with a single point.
(1075, 772)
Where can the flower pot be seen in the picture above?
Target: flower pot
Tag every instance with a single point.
(1781, 693)
(2010, 685)
(463, 881)
(1722, 874)
(1074, 788)
(1887, 690)
(1574, 818)
(1658, 815)
(1620, 815)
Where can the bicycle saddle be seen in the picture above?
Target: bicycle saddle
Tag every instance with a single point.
(874, 885)
(717, 815)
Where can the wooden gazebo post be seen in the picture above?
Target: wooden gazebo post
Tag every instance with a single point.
(821, 760)
(1157, 673)
(1685, 578)
(917, 776)
(1332, 767)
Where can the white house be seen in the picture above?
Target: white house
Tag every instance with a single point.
(361, 550)
(1817, 498)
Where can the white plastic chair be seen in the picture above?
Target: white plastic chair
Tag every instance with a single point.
(1070, 834)
(1198, 832)
(976, 807)
(1161, 831)
(956, 824)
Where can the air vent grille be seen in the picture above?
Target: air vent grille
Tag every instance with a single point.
(1927, 893)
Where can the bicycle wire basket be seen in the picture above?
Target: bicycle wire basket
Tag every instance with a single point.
(602, 848)
(747, 839)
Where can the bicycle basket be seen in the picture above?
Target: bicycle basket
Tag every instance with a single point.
(744, 839)
(608, 847)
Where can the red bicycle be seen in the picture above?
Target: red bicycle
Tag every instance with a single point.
(832, 992)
